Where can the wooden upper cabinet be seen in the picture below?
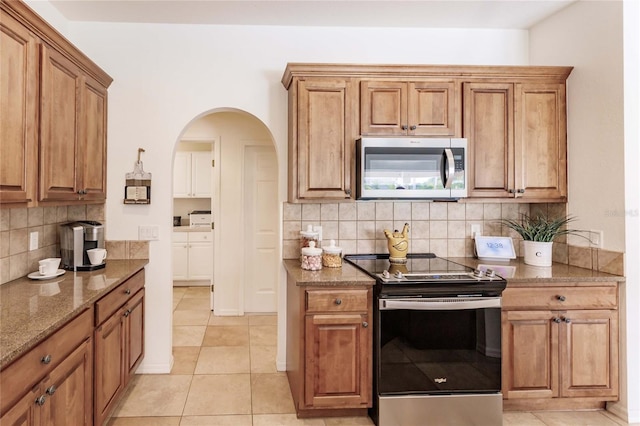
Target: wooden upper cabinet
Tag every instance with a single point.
(541, 141)
(420, 108)
(73, 114)
(320, 156)
(53, 115)
(18, 112)
(488, 127)
(517, 140)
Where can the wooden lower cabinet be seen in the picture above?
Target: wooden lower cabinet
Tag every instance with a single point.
(56, 377)
(560, 358)
(329, 353)
(119, 348)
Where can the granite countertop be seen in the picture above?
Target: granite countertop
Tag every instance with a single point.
(31, 310)
(347, 275)
(517, 272)
(190, 229)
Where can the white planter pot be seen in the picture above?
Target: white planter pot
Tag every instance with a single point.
(538, 253)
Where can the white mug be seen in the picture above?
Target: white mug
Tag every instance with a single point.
(97, 255)
(49, 266)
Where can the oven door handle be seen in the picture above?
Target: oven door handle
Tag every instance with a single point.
(449, 304)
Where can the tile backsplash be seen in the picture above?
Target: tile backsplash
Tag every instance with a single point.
(16, 224)
(437, 227)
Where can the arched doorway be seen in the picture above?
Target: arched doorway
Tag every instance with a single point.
(244, 210)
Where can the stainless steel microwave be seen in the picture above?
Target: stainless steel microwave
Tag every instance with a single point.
(411, 168)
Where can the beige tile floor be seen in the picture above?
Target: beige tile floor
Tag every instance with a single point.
(224, 373)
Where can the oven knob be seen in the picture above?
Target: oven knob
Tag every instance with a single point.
(491, 273)
(385, 274)
(478, 273)
(398, 275)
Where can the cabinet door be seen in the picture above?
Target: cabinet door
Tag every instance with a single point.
(529, 354)
(110, 364)
(59, 139)
(431, 108)
(201, 174)
(93, 131)
(589, 353)
(135, 333)
(18, 112)
(488, 127)
(321, 161)
(182, 175)
(383, 108)
(337, 368)
(69, 390)
(180, 256)
(200, 261)
(25, 412)
(541, 141)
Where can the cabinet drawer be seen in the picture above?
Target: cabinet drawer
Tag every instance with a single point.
(195, 237)
(180, 237)
(118, 297)
(560, 298)
(337, 300)
(21, 375)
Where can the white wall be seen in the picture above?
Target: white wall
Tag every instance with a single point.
(588, 36)
(603, 146)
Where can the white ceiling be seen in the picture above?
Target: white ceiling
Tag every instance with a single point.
(512, 14)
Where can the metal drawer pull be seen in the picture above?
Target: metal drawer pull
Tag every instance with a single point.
(40, 400)
(127, 291)
(561, 298)
(46, 359)
(338, 301)
(365, 324)
(51, 390)
(127, 312)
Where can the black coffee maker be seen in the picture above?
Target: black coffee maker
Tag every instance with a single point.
(75, 239)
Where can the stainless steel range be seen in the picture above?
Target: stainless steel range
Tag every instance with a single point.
(437, 342)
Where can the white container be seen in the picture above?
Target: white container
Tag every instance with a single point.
(311, 257)
(538, 253)
(308, 236)
(332, 255)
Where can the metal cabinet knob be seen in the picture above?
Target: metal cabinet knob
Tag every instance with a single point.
(413, 127)
(51, 390)
(40, 400)
(561, 298)
(127, 312)
(520, 191)
(404, 127)
(46, 359)
(338, 301)
(511, 191)
(557, 320)
(365, 324)
(127, 291)
(567, 320)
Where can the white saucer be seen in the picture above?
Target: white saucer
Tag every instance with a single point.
(36, 275)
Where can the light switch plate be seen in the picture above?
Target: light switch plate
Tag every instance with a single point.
(148, 232)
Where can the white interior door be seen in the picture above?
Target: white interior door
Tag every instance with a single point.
(261, 219)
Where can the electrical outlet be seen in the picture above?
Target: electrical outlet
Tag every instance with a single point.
(33, 241)
(596, 238)
(476, 230)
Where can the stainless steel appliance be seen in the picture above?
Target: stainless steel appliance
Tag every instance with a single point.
(75, 239)
(437, 342)
(415, 168)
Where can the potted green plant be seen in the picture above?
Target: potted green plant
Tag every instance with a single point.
(538, 233)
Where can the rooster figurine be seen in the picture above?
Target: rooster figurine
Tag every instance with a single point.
(398, 244)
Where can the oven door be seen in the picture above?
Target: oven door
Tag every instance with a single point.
(438, 346)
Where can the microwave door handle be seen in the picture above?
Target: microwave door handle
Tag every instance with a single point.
(448, 168)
